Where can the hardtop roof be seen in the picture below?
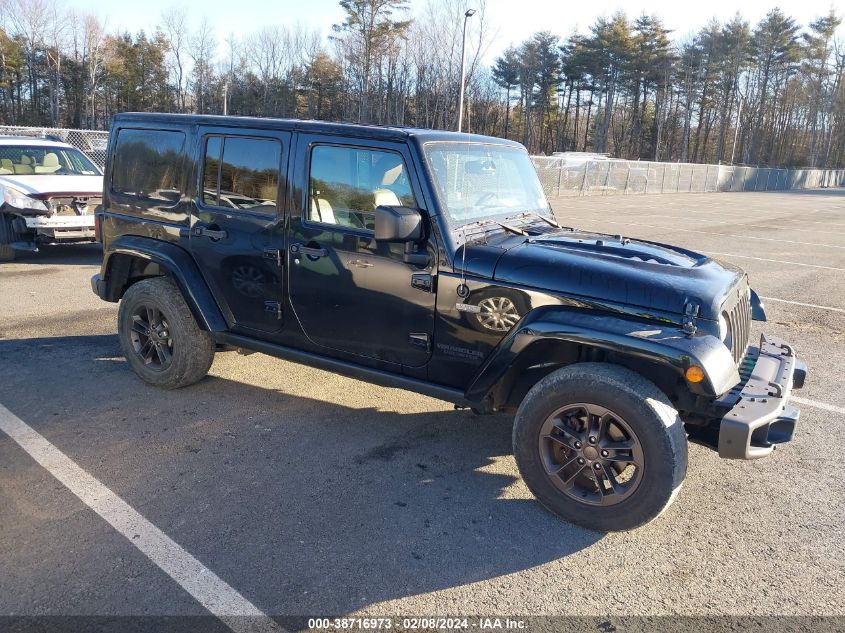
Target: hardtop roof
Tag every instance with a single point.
(388, 133)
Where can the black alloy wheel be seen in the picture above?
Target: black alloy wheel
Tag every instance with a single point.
(591, 454)
(151, 337)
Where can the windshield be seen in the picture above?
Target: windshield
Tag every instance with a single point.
(45, 160)
(478, 181)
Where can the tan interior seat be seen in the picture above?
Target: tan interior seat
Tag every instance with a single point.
(387, 198)
(25, 166)
(391, 168)
(321, 211)
(50, 165)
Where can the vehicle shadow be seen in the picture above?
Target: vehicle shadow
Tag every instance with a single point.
(306, 506)
(63, 254)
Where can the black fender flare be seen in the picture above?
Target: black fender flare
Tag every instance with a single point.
(179, 265)
(666, 345)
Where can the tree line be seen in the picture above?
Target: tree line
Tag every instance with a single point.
(772, 93)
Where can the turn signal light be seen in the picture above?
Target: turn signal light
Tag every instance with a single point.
(694, 373)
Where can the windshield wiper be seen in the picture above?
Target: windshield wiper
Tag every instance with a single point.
(538, 216)
(507, 227)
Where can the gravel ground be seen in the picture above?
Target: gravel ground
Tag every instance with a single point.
(314, 494)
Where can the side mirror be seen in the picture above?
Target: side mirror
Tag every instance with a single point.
(398, 224)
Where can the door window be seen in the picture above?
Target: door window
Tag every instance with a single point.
(242, 173)
(347, 184)
(148, 165)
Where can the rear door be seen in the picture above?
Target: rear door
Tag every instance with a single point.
(238, 237)
(350, 293)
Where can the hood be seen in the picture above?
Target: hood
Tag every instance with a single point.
(619, 270)
(39, 185)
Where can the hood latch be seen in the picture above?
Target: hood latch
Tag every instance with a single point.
(690, 315)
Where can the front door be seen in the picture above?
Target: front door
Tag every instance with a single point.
(238, 237)
(350, 293)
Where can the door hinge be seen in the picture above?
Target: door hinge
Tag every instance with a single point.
(274, 307)
(422, 281)
(419, 339)
(274, 255)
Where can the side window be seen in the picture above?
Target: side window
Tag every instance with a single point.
(241, 173)
(346, 185)
(211, 170)
(149, 164)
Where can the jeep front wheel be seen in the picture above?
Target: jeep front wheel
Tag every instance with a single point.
(600, 446)
(160, 337)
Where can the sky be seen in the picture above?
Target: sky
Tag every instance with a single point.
(512, 21)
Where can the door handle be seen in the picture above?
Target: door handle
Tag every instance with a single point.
(200, 230)
(308, 250)
(361, 263)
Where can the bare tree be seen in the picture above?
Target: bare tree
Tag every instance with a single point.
(175, 27)
(770, 93)
(29, 20)
(95, 56)
(202, 47)
(370, 30)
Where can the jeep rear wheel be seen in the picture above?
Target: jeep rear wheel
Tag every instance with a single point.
(600, 446)
(160, 337)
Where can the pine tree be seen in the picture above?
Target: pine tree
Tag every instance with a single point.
(775, 46)
(611, 46)
(506, 74)
(817, 52)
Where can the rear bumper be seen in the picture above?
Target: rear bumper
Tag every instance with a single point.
(760, 416)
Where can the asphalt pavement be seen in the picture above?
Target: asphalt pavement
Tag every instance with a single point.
(312, 494)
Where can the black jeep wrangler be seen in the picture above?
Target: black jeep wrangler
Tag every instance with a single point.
(431, 261)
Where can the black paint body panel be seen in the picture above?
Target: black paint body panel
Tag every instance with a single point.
(339, 299)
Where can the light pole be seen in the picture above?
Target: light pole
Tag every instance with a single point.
(738, 123)
(469, 13)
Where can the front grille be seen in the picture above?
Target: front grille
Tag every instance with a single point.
(738, 317)
(79, 205)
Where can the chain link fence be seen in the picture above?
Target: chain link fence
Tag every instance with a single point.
(92, 142)
(561, 176)
(572, 176)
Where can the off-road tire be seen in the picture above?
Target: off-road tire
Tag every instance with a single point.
(192, 348)
(645, 409)
(7, 235)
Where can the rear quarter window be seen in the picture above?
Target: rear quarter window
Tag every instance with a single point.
(148, 168)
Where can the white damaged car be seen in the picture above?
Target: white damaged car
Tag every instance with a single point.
(49, 191)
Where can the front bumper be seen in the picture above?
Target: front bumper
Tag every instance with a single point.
(62, 227)
(98, 285)
(760, 415)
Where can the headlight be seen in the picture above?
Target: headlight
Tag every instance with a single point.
(20, 200)
(725, 330)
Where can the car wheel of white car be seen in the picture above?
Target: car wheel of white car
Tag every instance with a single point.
(7, 236)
